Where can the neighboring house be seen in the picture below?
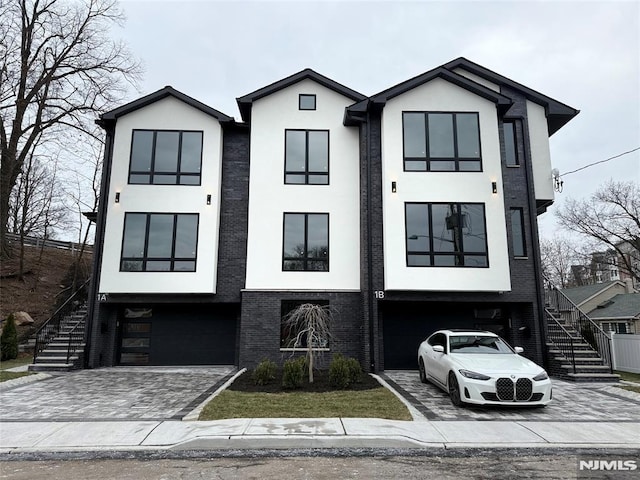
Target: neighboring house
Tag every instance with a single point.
(405, 211)
(620, 314)
(604, 266)
(614, 305)
(629, 262)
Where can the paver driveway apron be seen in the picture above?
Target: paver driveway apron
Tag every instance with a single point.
(116, 393)
(571, 402)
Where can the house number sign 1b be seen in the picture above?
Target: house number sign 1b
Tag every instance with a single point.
(379, 294)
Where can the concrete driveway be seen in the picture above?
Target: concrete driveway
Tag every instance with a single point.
(571, 402)
(117, 393)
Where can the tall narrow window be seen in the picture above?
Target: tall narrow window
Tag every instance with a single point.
(511, 144)
(159, 242)
(441, 141)
(306, 157)
(446, 235)
(165, 157)
(517, 233)
(306, 242)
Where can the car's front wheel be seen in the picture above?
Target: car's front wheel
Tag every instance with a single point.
(423, 373)
(454, 390)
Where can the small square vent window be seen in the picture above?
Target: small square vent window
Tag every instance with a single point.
(306, 102)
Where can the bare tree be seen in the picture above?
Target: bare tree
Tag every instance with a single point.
(83, 191)
(58, 68)
(36, 206)
(557, 255)
(610, 217)
(310, 327)
(565, 260)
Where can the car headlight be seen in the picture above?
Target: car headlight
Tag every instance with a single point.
(474, 375)
(541, 376)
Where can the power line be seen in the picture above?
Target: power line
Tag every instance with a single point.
(601, 161)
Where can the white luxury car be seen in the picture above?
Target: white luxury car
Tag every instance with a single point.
(479, 367)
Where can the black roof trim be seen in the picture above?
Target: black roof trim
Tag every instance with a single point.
(558, 113)
(113, 115)
(354, 112)
(245, 102)
(445, 74)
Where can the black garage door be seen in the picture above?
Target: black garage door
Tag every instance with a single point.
(407, 324)
(171, 335)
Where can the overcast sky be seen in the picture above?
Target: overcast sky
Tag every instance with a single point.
(584, 54)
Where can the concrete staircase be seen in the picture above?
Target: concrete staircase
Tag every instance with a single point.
(53, 357)
(589, 366)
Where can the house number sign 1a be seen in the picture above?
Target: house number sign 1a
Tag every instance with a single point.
(379, 294)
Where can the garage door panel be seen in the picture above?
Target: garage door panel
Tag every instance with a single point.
(187, 337)
(407, 324)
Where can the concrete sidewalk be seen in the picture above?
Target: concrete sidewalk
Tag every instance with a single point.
(310, 433)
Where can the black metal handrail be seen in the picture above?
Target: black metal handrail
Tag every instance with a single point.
(589, 330)
(51, 327)
(562, 339)
(76, 338)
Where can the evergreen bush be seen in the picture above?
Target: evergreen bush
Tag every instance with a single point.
(339, 374)
(293, 373)
(264, 373)
(9, 340)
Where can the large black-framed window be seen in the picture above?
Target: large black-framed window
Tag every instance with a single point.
(291, 334)
(165, 157)
(441, 141)
(306, 242)
(159, 242)
(510, 129)
(517, 233)
(306, 155)
(446, 235)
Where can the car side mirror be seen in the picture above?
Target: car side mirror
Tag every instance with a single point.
(519, 349)
(438, 348)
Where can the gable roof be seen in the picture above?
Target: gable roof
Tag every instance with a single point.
(558, 114)
(623, 305)
(168, 91)
(245, 102)
(579, 295)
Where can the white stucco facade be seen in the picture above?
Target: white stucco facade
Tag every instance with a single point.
(438, 95)
(270, 197)
(166, 114)
(540, 153)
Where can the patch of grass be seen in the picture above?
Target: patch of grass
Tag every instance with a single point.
(630, 388)
(628, 376)
(23, 359)
(4, 376)
(372, 403)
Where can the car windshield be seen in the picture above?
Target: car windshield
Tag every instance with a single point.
(477, 344)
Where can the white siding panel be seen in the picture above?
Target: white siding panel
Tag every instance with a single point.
(440, 95)
(270, 198)
(166, 114)
(540, 153)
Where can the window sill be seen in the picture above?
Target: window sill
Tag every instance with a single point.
(304, 349)
(521, 258)
(513, 166)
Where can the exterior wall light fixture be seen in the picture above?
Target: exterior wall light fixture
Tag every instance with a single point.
(494, 187)
(117, 199)
(394, 188)
(209, 199)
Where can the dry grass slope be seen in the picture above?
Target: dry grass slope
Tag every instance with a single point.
(41, 286)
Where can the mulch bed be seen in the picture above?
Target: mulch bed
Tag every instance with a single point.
(244, 383)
